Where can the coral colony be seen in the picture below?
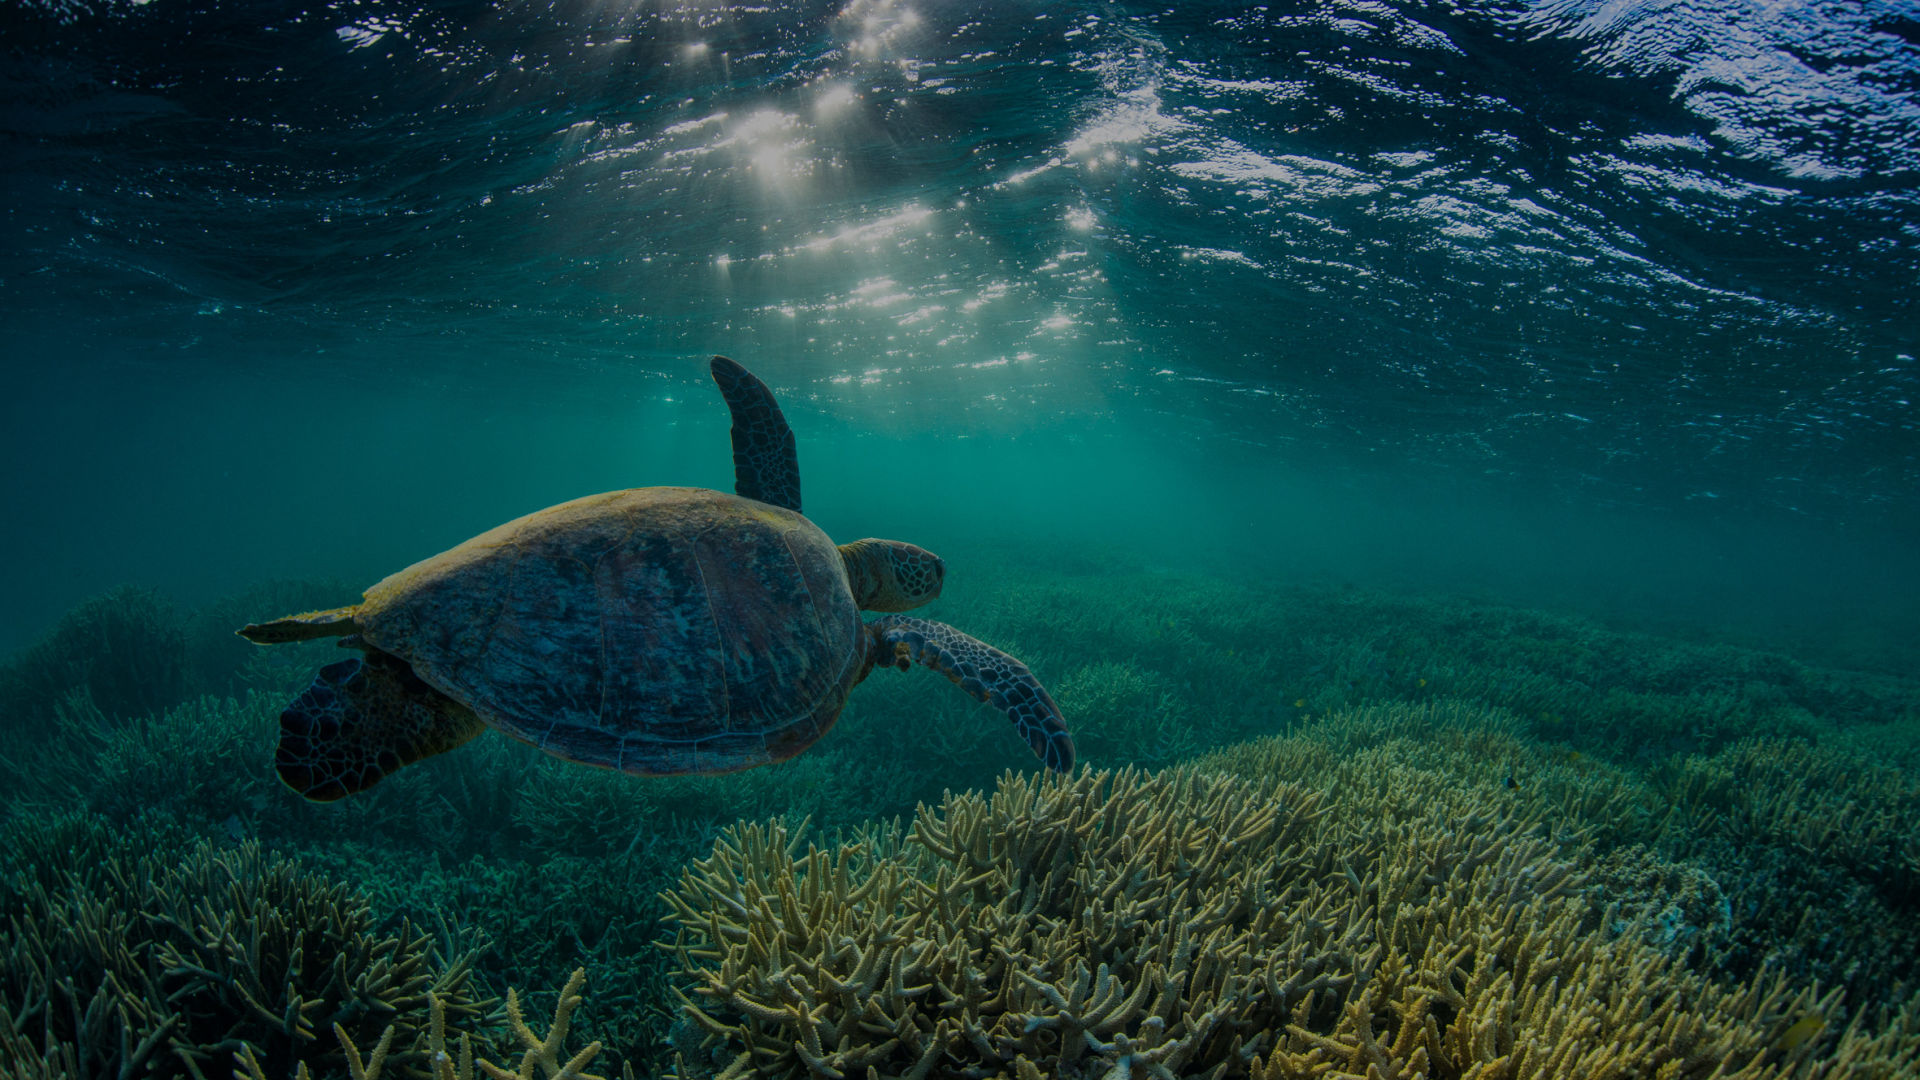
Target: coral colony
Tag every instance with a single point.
(1431, 836)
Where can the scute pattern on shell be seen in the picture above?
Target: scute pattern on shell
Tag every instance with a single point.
(657, 630)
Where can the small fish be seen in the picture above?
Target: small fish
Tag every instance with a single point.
(1511, 782)
(1803, 1029)
(1423, 682)
(1299, 703)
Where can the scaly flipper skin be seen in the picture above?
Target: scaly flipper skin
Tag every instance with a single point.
(984, 672)
(359, 721)
(765, 466)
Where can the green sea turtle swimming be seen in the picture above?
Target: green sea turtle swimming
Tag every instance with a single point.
(656, 630)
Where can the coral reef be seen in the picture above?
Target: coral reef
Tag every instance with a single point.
(1118, 712)
(1818, 851)
(1831, 805)
(1718, 807)
(154, 967)
(1770, 852)
(121, 649)
(540, 1057)
(1181, 924)
(55, 854)
(1006, 936)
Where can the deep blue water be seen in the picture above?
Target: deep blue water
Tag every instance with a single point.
(1607, 299)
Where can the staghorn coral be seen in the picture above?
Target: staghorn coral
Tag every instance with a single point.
(1186, 925)
(157, 968)
(121, 647)
(56, 765)
(1463, 752)
(558, 871)
(541, 1053)
(565, 912)
(1832, 805)
(1240, 653)
(1119, 712)
(1768, 853)
(1818, 851)
(918, 958)
(50, 854)
(208, 762)
(204, 760)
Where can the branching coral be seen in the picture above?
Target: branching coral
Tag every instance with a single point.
(1116, 711)
(1770, 852)
(1777, 851)
(1831, 805)
(1817, 849)
(1183, 925)
(122, 647)
(154, 968)
(540, 1055)
(961, 948)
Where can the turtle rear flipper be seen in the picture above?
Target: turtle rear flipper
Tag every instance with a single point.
(984, 672)
(333, 622)
(362, 719)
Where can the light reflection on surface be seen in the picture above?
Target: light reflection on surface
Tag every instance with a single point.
(943, 187)
(833, 98)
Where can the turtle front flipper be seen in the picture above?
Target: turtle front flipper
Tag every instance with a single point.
(981, 670)
(359, 721)
(765, 466)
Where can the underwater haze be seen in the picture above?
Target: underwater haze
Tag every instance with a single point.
(1428, 420)
(1620, 292)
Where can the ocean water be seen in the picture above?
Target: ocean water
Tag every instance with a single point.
(1513, 398)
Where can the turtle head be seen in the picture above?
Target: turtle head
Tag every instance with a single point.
(888, 575)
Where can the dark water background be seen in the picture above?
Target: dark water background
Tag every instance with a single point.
(1606, 304)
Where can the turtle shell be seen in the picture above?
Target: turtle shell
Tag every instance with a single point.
(656, 630)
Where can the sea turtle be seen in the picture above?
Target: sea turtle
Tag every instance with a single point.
(656, 630)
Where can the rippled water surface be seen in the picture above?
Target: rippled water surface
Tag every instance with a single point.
(1619, 294)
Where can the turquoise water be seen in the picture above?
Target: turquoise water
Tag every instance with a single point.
(297, 290)
(1250, 365)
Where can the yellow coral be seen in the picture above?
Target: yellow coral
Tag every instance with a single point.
(542, 1053)
(1184, 925)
